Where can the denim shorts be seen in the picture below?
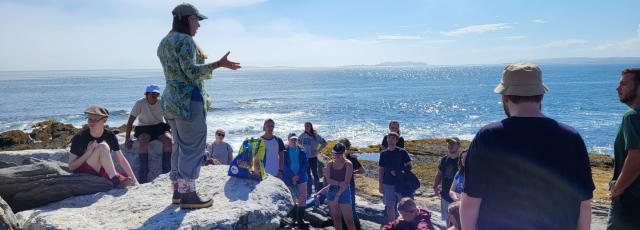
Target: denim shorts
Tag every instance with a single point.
(345, 197)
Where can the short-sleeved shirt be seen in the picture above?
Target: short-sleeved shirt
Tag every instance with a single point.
(273, 147)
(628, 138)
(356, 165)
(531, 173)
(459, 182)
(448, 168)
(392, 160)
(220, 152)
(147, 114)
(310, 143)
(399, 144)
(80, 141)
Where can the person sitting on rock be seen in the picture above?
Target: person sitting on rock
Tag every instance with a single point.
(151, 126)
(295, 177)
(91, 150)
(219, 152)
(412, 217)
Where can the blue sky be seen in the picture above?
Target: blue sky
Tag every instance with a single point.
(123, 34)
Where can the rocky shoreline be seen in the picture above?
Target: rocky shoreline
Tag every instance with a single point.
(55, 136)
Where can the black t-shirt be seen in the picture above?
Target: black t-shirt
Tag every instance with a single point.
(356, 166)
(399, 144)
(448, 168)
(80, 141)
(392, 160)
(531, 173)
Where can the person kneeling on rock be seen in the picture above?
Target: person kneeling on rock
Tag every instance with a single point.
(412, 217)
(91, 151)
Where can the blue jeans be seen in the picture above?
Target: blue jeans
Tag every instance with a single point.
(345, 197)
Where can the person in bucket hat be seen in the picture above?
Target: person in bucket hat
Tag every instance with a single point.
(91, 150)
(526, 171)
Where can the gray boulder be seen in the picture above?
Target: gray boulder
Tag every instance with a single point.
(18, 157)
(238, 204)
(28, 186)
(8, 219)
(155, 158)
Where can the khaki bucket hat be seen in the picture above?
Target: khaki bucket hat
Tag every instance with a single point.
(521, 79)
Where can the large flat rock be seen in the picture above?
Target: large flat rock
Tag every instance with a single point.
(238, 204)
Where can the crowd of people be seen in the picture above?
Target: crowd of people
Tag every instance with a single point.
(527, 171)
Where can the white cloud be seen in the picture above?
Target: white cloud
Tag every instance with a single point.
(398, 37)
(539, 21)
(566, 42)
(476, 29)
(515, 37)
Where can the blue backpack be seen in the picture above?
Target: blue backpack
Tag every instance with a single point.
(249, 161)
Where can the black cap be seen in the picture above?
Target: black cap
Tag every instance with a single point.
(339, 148)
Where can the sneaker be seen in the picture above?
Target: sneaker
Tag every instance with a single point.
(176, 197)
(191, 200)
(127, 182)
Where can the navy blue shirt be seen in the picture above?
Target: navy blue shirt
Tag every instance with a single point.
(531, 173)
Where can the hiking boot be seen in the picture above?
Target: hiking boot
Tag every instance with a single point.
(176, 197)
(300, 219)
(191, 200)
(115, 181)
(127, 182)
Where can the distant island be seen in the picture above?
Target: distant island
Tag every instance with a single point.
(588, 60)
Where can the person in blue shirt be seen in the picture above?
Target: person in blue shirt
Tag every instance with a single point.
(295, 177)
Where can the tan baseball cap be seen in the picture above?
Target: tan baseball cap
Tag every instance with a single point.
(97, 110)
(453, 139)
(186, 9)
(521, 79)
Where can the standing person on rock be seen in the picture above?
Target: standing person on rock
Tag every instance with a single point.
(337, 174)
(295, 177)
(457, 187)
(185, 101)
(151, 126)
(357, 169)
(625, 184)
(394, 126)
(91, 149)
(274, 152)
(392, 160)
(446, 172)
(526, 171)
(313, 143)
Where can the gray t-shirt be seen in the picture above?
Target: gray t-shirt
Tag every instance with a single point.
(310, 144)
(220, 152)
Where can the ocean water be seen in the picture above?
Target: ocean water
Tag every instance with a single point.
(352, 102)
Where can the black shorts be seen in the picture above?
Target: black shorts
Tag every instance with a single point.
(153, 130)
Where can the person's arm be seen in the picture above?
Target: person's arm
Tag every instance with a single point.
(436, 183)
(187, 50)
(323, 143)
(630, 172)
(305, 162)
(380, 176)
(360, 170)
(347, 179)
(127, 134)
(229, 154)
(469, 210)
(452, 191)
(584, 220)
(125, 165)
(75, 161)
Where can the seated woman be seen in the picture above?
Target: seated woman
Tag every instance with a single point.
(295, 177)
(338, 175)
(91, 150)
(219, 152)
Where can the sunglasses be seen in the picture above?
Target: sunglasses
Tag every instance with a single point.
(93, 120)
(220, 134)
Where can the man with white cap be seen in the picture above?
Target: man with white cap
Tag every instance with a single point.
(151, 126)
(527, 171)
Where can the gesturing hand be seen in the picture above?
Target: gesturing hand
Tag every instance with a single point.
(224, 62)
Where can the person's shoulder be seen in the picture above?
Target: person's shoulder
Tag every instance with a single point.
(108, 133)
(632, 114)
(141, 100)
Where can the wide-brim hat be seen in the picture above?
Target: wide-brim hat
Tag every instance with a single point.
(521, 79)
(97, 110)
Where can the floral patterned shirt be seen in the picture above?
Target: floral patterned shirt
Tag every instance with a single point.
(184, 70)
